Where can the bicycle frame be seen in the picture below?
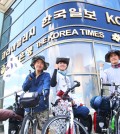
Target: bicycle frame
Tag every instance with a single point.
(115, 97)
(67, 105)
(70, 124)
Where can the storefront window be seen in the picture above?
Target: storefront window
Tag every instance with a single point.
(80, 54)
(100, 51)
(15, 13)
(22, 22)
(5, 38)
(88, 88)
(14, 82)
(1, 21)
(33, 12)
(1, 91)
(115, 47)
(51, 3)
(15, 4)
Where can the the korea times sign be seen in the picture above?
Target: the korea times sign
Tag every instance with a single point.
(65, 21)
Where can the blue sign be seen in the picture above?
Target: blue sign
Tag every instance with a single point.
(69, 20)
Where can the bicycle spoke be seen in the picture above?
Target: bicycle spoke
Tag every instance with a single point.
(62, 126)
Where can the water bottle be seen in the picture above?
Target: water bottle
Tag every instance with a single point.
(113, 123)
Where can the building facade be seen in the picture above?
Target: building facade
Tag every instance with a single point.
(82, 30)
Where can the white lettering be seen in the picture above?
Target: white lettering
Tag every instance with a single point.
(92, 33)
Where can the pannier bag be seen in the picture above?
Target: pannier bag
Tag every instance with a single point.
(99, 122)
(29, 99)
(102, 103)
(14, 126)
(61, 108)
(18, 109)
(86, 122)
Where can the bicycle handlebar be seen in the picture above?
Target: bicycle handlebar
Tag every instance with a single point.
(64, 96)
(69, 89)
(108, 84)
(16, 96)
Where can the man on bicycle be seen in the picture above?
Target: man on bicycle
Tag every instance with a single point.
(61, 81)
(111, 74)
(39, 81)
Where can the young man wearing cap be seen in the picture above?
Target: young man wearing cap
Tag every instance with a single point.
(61, 81)
(111, 74)
(39, 81)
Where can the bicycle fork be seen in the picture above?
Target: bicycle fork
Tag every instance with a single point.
(70, 124)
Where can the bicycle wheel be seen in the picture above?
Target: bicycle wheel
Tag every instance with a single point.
(28, 126)
(59, 125)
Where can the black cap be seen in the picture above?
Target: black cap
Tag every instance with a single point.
(61, 59)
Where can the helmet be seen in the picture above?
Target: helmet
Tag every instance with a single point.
(35, 58)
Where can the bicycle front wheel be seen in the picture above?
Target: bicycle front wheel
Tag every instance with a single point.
(28, 126)
(59, 125)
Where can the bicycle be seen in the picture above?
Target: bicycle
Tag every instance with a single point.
(29, 100)
(64, 124)
(113, 116)
(15, 125)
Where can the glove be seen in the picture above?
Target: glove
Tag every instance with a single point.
(60, 93)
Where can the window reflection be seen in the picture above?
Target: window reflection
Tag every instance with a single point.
(7, 23)
(80, 54)
(88, 88)
(12, 7)
(107, 3)
(33, 12)
(51, 3)
(5, 38)
(115, 47)
(100, 51)
(89, 83)
(22, 22)
(16, 12)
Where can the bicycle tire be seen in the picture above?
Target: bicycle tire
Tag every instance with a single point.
(27, 125)
(46, 127)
